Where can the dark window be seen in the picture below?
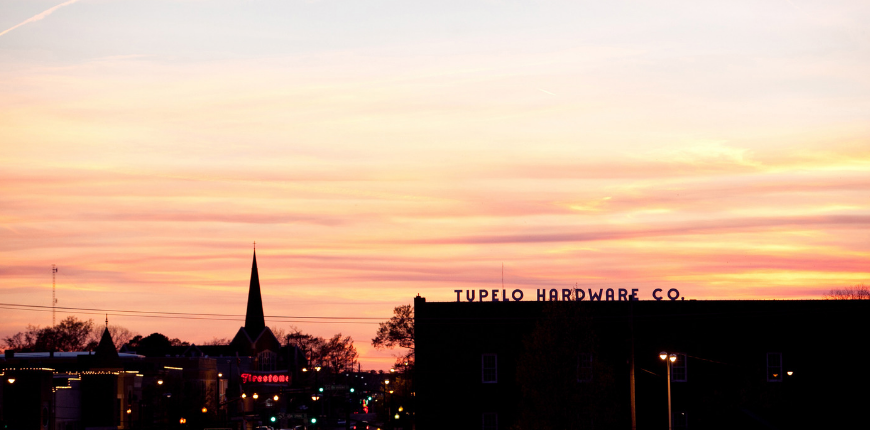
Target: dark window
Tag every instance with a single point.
(584, 367)
(774, 367)
(490, 421)
(678, 369)
(489, 368)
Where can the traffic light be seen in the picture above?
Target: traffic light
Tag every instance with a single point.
(352, 389)
(313, 420)
(273, 419)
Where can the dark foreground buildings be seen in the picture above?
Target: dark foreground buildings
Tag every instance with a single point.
(240, 385)
(566, 365)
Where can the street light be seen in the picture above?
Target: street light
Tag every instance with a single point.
(669, 360)
(11, 380)
(275, 398)
(255, 396)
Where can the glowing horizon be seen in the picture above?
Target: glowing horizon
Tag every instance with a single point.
(376, 152)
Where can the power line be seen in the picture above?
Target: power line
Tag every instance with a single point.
(195, 316)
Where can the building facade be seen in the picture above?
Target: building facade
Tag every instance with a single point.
(581, 364)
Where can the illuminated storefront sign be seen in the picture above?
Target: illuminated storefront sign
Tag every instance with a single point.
(564, 295)
(269, 378)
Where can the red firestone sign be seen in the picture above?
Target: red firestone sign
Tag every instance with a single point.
(270, 378)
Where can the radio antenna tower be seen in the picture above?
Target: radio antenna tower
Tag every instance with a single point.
(53, 293)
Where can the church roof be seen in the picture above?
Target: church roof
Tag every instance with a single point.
(255, 321)
(105, 355)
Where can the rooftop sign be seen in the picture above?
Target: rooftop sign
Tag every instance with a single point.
(565, 295)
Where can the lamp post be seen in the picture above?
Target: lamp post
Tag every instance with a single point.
(669, 360)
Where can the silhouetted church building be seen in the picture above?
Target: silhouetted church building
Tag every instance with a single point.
(578, 364)
(255, 339)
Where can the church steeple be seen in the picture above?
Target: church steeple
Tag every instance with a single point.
(255, 321)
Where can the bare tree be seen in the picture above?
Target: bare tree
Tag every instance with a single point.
(854, 292)
(217, 341)
(339, 352)
(309, 345)
(279, 333)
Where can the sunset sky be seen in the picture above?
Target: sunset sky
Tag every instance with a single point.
(376, 150)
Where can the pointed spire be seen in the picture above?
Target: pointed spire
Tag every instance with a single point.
(255, 321)
(106, 349)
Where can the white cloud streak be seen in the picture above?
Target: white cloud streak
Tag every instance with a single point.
(40, 15)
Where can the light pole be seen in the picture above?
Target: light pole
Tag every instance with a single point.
(669, 359)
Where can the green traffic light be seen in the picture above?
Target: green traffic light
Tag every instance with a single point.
(321, 389)
(351, 390)
(273, 419)
(313, 420)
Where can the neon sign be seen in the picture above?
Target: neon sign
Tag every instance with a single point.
(268, 378)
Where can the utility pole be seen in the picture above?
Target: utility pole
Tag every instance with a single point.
(53, 294)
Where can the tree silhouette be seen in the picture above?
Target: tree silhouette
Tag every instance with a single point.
(854, 292)
(70, 334)
(398, 331)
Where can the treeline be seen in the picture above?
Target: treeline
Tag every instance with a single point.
(73, 334)
(70, 334)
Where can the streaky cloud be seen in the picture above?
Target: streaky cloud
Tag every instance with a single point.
(39, 16)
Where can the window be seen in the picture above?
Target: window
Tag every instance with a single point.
(490, 421)
(774, 367)
(681, 420)
(267, 360)
(489, 368)
(678, 369)
(584, 367)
